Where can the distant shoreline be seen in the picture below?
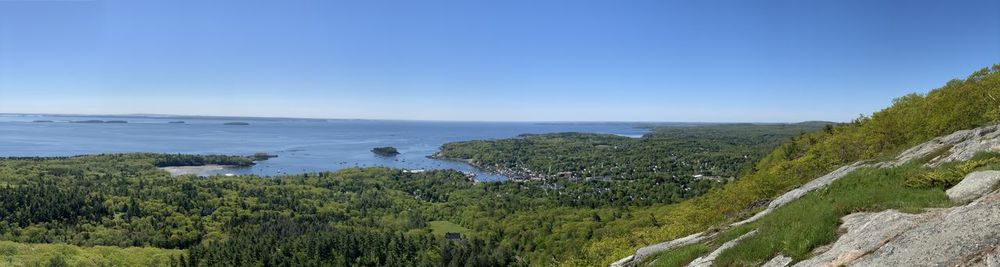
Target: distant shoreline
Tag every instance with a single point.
(635, 123)
(202, 170)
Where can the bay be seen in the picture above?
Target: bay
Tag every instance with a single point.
(301, 145)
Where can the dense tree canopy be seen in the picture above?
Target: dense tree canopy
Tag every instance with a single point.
(612, 201)
(367, 216)
(707, 150)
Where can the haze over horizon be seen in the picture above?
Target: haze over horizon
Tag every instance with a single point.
(180, 116)
(773, 61)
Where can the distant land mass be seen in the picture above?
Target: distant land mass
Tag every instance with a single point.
(387, 151)
(100, 121)
(168, 116)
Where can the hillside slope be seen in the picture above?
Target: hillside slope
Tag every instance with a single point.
(960, 234)
(912, 119)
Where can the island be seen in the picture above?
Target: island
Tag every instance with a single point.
(236, 123)
(176, 122)
(386, 151)
(100, 121)
(88, 121)
(41, 121)
(262, 156)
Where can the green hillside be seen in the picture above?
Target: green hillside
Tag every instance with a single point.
(120, 210)
(910, 120)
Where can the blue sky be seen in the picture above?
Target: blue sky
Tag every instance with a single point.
(488, 60)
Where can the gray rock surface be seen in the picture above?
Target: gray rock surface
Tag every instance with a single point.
(973, 186)
(958, 236)
(864, 233)
(945, 237)
(964, 145)
(778, 261)
(992, 258)
(707, 260)
(972, 142)
(644, 252)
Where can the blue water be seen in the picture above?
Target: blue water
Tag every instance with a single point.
(301, 145)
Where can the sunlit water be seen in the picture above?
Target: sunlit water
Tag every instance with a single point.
(301, 145)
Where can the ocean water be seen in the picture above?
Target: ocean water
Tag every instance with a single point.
(301, 145)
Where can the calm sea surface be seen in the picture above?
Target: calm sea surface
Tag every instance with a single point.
(301, 145)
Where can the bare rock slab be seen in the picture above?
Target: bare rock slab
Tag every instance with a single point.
(960, 236)
(778, 261)
(865, 232)
(707, 260)
(973, 186)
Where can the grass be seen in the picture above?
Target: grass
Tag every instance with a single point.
(797, 228)
(801, 226)
(22, 254)
(680, 256)
(439, 228)
(683, 255)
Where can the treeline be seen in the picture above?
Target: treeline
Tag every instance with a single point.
(167, 160)
(365, 217)
(371, 216)
(362, 217)
(281, 241)
(712, 150)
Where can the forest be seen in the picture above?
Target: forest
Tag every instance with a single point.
(367, 217)
(719, 151)
(361, 216)
(119, 209)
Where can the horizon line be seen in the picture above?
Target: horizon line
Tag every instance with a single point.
(154, 115)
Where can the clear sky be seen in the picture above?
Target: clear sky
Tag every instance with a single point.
(573, 60)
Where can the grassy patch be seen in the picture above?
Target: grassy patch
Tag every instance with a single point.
(683, 255)
(680, 256)
(799, 227)
(439, 228)
(22, 254)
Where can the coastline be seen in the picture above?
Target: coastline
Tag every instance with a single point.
(202, 170)
(511, 174)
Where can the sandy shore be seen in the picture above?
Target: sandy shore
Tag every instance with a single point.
(203, 170)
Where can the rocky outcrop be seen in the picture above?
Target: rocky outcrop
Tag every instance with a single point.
(778, 261)
(707, 260)
(967, 143)
(962, 145)
(960, 236)
(802, 190)
(644, 252)
(973, 186)
(864, 233)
